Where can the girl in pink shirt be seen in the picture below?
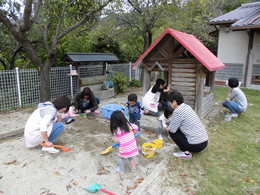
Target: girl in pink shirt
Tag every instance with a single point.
(124, 135)
(69, 115)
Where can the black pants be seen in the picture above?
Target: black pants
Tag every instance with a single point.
(180, 139)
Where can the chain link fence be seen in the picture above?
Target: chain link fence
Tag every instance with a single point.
(21, 87)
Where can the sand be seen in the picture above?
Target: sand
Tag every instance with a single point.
(32, 171)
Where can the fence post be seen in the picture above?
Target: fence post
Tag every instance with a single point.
(71, 82)
(130, 71)
(18, 86)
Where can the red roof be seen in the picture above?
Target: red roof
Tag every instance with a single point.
(193, 45)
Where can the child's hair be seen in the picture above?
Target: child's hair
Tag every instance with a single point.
(233, 82)
(160, 82)
(61, 102)
(132, 97)
(118, 120)
(168, 111)
(175, 95)
(74, 104)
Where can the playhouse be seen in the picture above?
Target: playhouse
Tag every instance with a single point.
(186, 64)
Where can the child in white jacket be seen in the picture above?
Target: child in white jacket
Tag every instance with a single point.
(164, 121)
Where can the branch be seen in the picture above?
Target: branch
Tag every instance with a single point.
(4, 64)
(27, 23)
(82, 21)
(37, 10)
(10, 26)
(138, 9)
(61, 18)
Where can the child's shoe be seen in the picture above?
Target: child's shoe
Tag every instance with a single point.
(70, 120)
(118, 170)
(235, 115)
(182, 155)
(96, 112)
(160, 137)
(50, 150)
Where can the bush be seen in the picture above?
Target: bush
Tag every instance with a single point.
(135, 83)
(119, 80)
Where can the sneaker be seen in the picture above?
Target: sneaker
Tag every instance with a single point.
(234, 115)
(160, 137)
(133, 169)
(50, 150)
(70, 120)
(96, 112)
(182, 155)
(118, 170)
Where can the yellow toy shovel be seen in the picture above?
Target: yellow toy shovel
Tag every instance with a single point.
(109, 149)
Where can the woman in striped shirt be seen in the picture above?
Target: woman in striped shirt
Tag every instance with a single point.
(124, 134)
(186, 129)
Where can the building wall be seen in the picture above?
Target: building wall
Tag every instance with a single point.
(232, 51)
(256, 48)
(232, 46)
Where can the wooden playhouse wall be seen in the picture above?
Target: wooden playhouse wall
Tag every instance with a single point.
(189, 80)
(184, 81)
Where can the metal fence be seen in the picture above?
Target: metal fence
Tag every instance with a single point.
(21, 87)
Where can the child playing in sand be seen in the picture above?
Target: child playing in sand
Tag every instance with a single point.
(239, 103)
(124, 135)
(69, 116)
(164, 121)
(134, 109)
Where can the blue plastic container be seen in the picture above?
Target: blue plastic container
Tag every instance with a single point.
(107, 110)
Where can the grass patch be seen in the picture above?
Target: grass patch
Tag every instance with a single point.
(231, 162)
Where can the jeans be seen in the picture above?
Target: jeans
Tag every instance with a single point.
(159, 128)
(57, 128)
(232, 106)
(84, 105)
(135, 120)
(121, 163)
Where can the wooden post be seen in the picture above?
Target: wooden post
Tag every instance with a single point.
(146, 80)
(200, 76)
(77, 77)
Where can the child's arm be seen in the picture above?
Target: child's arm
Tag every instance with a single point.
(71, 113)
(134, 127)
(125, 106)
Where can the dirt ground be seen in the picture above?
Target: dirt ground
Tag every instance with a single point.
(31, 171)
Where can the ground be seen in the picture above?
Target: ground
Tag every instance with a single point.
(37, 172)
(227, 166)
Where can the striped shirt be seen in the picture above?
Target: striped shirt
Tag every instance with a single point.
(128, 147)
(185, 119)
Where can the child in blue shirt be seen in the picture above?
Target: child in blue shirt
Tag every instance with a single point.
(134, 109)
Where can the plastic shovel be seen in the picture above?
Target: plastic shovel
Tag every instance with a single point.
(109, 149)
(96, 187)
(57, 146)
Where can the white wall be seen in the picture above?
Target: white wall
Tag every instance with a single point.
(232, 46)
(256, 48)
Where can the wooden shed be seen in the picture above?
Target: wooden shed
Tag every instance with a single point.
(186, 64)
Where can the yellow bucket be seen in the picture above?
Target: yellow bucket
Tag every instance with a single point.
(158, 143)
(148, 150)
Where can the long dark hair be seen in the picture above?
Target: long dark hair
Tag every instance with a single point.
(86, 92)
(118, 120)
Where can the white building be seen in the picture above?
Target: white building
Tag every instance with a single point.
(239, 44)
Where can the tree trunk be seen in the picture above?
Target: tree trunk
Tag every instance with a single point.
(147, 39)
(45, 82)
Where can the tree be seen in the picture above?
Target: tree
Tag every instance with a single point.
(48, 22)
(141, 17)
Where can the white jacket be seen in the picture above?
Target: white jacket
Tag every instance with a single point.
(42, 119)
